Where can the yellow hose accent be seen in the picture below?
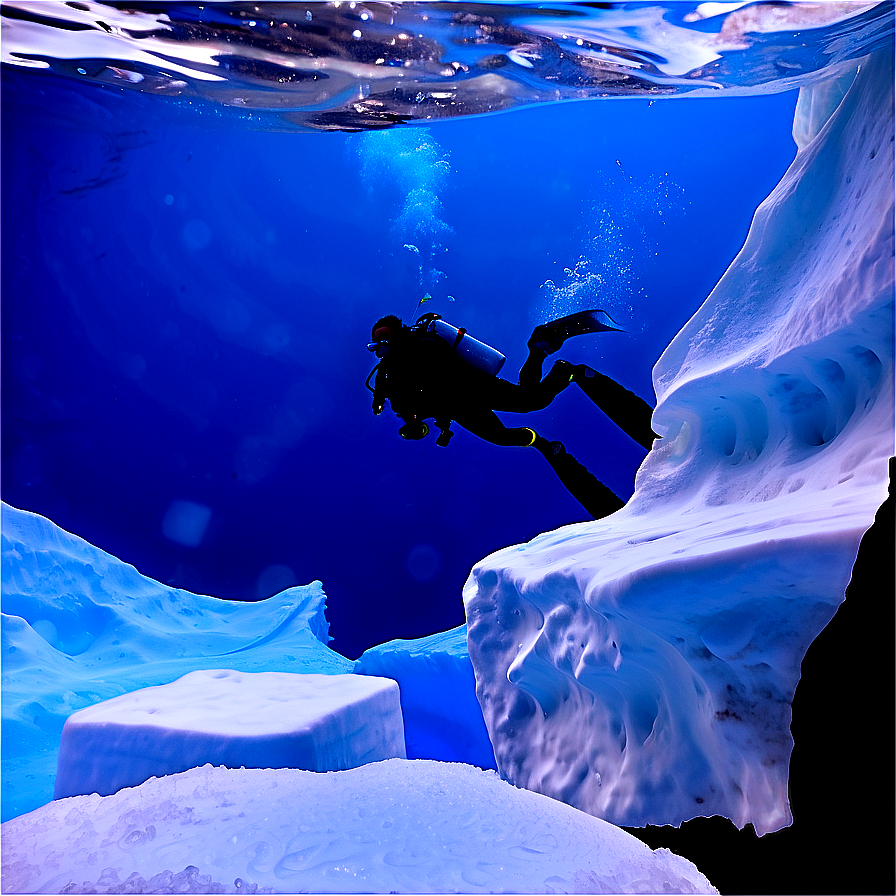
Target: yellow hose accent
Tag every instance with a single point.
(531, 441)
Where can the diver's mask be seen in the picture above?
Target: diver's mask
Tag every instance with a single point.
(381, 345)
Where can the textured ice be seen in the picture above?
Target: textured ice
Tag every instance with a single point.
(397, 826)
(641, 667)
(442, 718)
(80, 626)
(235, 719)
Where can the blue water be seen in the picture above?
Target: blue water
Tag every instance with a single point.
(187, 302)
(188, 288)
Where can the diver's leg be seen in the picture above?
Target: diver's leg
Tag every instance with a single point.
(502, 395)
(486, 425)
(629, 412)
(549, 338)
(584, 486)
(540, 345)
(530, 372)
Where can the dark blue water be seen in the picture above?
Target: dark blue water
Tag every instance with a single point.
(187, 302)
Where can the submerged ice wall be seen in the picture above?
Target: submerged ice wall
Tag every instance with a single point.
(641, 667)
(442, 719)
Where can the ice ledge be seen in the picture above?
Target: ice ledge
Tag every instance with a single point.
(234, 719)
(642, 667)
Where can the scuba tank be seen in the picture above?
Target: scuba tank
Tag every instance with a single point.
(475, 353)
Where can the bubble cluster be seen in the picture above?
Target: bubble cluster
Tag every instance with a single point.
(616, 247)
(418, 169)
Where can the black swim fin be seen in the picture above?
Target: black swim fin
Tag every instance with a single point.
(550, 337)
(628, 411)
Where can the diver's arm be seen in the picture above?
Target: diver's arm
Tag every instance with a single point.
(379, 398)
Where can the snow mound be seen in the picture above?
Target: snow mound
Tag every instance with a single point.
(641, 667)
(396, 826)
(442, 718)
(235, 719)
(79, 626)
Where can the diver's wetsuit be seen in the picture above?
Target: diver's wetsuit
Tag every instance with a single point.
(422, 377)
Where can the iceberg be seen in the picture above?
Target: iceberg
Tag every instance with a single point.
(641, 667)
(232, 719)
(396, 826)
(442, 718)
(79, 626)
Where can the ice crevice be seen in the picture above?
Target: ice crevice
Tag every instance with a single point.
(642, 667)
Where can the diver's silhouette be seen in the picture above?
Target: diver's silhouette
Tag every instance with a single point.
(432, 370)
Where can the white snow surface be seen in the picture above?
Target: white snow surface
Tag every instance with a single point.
(396, 826)
(79, 626)
(442, 718)
(641, 667)
(234, 719)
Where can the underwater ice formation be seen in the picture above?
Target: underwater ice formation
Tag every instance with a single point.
(80, 626)
(442, 719)
(641, 667)
(389, 827)
(234, 719)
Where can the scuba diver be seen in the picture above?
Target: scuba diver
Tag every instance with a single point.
(433, 370)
